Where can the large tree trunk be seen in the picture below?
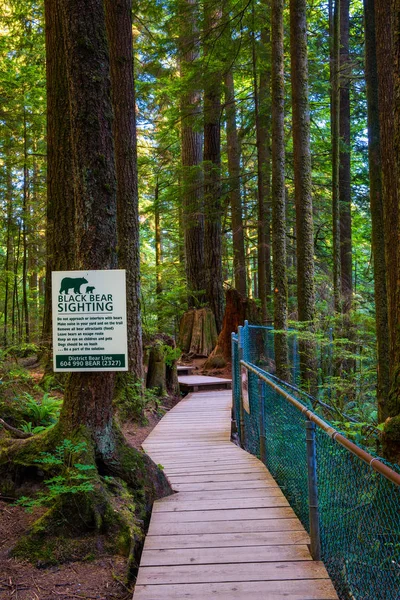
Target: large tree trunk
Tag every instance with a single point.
(119, 31)
(278, 191)
(60, 214)
(88, 396)
(302, 180)
(197, 332)
(335, 135)
(344, 159)
(263, 122)
(388, 59)
(233, 151)
(237, 310)
(212, 166)
(191, 153)
(375, 177)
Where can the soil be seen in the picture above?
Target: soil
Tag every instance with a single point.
(99, 579)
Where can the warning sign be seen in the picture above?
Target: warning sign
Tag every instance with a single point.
(89, 321)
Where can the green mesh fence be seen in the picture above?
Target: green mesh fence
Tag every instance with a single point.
(359, 508)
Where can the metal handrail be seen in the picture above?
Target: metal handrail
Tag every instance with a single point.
(376, 464)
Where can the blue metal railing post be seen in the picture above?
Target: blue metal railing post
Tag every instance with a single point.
(241, 407)
(315, 547)
(261, 408)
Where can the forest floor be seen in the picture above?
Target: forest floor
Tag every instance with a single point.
(98, 579)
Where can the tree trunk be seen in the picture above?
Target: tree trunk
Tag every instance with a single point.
(237, 310)
(388, 59)
(335, 135)
(212, 166)
(60, 212)
(158, 240)
(7, 264)
(262, 117)
(375, 177)
(239, 259)
(25, 307)
(344, 160)
(191, 152)
(278, 191)
(88, 396)
(119, 32)
(302, 180)
(197, 332)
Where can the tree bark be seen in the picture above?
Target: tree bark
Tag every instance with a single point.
(239, 257)
(375, 177)
(119, 32)
(344, 160)
(212, 165)
(191, 153)
(302, 180)
(278, 191)
(263, 123)
(388, 52)
(60, 212)
(88, 396)
(335, 136)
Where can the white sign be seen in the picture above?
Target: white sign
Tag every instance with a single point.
(89, 321)
(245, 389)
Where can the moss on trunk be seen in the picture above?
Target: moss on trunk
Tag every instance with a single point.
(109, 518)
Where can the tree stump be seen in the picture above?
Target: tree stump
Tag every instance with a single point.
(197, 332)
(237, 310)
(162, 374)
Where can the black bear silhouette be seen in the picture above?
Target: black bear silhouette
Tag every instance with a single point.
(72, 282)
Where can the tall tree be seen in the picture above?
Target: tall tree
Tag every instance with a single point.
(60, 250)
(212, 162)
(334, 35)
(388, 54)
(278, 190)
(376, 202)
(302, 176)
(346, 267)
(261, 86)
(233, 151)
(191, 152)
(119, 31)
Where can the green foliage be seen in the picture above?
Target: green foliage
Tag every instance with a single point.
(21, 350)
(41, 413)
(71, 476)
(132, 400)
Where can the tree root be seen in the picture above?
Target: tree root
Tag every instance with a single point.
(17, 433)
(110, 518)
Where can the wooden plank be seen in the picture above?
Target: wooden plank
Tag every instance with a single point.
(191, 496)
(214, 556)
(239, 486)
(221, 477)
(202, 380)
(223, 540)
(320, 589)
(221, 504)
(241, 514)
(263, 571)
(213, 527)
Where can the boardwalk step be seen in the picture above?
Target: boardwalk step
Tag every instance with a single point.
(229, 533)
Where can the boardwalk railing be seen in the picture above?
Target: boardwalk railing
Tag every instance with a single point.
(347, 499)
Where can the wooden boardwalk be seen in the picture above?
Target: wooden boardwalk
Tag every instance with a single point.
(229, 532)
